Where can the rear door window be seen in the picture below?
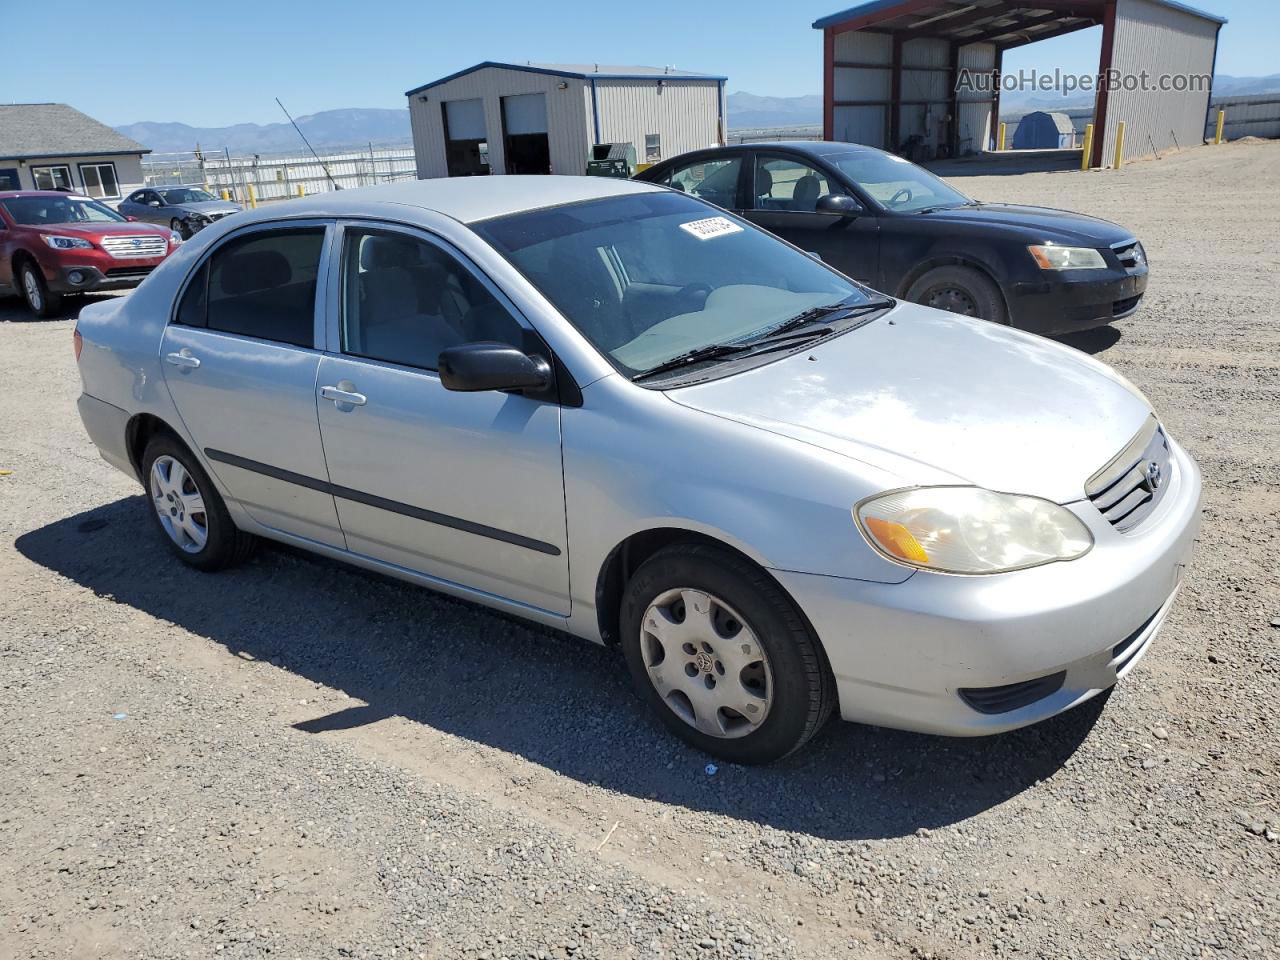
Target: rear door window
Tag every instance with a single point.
(262, 285)
(713, 180)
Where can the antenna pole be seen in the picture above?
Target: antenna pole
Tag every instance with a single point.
(323, 165)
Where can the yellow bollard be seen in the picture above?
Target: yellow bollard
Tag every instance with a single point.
(253, 198)
(1004, 127)
(1222, 120)
(226, 195)
(301, 193)
(1086, 152)
(1119, 161)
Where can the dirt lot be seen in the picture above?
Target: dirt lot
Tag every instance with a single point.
(299, 760)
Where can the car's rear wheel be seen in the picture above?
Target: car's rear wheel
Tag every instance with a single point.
(720, 651)
(961, 290)
(180, 228)
(188, 509)
(40, 300)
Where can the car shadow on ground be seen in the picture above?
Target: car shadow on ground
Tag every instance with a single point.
(558, 701)
(15, 309)
(1093, 341)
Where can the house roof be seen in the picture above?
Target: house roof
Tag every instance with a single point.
(577, 71)
(57, 130)
(980, 17)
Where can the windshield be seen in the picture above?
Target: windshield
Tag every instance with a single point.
(896, 184)
(650, 277)
(186, 195)
(35, 211)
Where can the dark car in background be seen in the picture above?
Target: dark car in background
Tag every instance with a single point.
(184, 210)
(895, 227)
(54, 243)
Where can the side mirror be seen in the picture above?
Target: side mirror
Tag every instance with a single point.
(839, 205)
(153, 203)
(487, 365)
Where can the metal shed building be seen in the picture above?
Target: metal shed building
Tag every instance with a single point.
(543, 118)
(890, 69)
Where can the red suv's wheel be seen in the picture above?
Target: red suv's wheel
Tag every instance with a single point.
(42, 303)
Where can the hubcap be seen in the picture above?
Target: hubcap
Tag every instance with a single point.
(706, 663)
(179, 504)
(953, 300)
(32, 287)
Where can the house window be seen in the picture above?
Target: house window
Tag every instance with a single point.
(100, 180)
(652, 147)
(52, 178)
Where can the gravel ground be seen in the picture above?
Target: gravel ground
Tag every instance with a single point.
(297, 759)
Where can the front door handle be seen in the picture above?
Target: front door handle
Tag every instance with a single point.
(183, 358)
(344, 392)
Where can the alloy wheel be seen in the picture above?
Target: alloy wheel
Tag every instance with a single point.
(179, 504)
(31, 286)
(706, 663)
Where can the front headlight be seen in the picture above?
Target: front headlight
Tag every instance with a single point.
(175, 238)
(66, 243)
(969, 530)
(1052, 257)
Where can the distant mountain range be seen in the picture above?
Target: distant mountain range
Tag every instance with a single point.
(358, 127)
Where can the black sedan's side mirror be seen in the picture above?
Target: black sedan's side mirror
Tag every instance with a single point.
(153, 203)
(839, 205)
(488, 365)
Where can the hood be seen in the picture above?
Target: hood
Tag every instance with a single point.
(1037, 223)
(936, 398)
(92, 230)
(209, 206)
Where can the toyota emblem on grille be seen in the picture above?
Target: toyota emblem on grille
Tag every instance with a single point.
(1155, 476)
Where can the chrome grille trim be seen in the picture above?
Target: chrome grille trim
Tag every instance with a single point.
(1133, 482)
(1131, 254)
(124, 247)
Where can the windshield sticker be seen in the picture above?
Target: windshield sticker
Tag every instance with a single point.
(710, 227)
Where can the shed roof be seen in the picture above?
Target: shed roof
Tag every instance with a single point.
(57, 130)
(577, 71)
(1002, 22)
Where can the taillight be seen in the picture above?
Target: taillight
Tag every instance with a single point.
(78, 342)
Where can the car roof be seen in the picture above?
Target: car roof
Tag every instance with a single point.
(814, 148)
(11, 194)
(467, 199)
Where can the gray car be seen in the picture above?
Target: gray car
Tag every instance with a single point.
(184, 210)
(615, 409)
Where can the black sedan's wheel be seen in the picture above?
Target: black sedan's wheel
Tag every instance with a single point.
(961, 290)
(189, 510)
(41, 301)
(180, 228)
(720, 651)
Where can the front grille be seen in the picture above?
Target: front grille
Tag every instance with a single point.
(1131, 254)
(126, 273)
(136, 248)
(1126, 306)
(1130, 486)
(1011, 696)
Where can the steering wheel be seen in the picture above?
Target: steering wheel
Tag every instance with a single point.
(894, 201)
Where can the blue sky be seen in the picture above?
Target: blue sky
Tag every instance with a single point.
(222, 63)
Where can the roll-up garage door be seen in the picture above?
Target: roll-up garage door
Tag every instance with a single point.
(467, 139)
(524, 130)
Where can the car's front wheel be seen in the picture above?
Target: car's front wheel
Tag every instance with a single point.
(189, 510)
(962, 290)
(723, 655)
(40, 300)
(180, 228)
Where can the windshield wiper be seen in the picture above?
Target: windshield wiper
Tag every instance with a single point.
(805, 325)
(712, 351)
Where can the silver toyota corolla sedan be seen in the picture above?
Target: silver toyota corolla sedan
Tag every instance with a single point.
(612, 408)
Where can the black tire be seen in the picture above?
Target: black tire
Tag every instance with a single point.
(961, 290)
(40, 300)
(803, 689)
(226, 545)
(180, 228)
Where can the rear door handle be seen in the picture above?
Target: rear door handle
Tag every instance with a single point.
(183, 358)
(344, 392)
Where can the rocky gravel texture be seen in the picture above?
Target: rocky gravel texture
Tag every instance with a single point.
(299, 760)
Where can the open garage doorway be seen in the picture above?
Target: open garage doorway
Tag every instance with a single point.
(524, 129)
(466, 139)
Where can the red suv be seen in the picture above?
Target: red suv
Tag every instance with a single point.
(54, 243)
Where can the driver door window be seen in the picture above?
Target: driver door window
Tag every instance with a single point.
(715, 181)
(785, 184)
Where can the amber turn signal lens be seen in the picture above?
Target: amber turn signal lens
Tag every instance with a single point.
(897, 540)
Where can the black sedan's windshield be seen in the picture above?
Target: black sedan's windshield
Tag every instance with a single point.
(650, 277)
(896, 184)
(186, 195)
(37, 211)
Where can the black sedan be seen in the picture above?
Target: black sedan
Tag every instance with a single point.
(896, 227)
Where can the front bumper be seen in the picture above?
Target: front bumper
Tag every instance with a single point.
(1086, 299)
(87, 277)
(901, 653)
